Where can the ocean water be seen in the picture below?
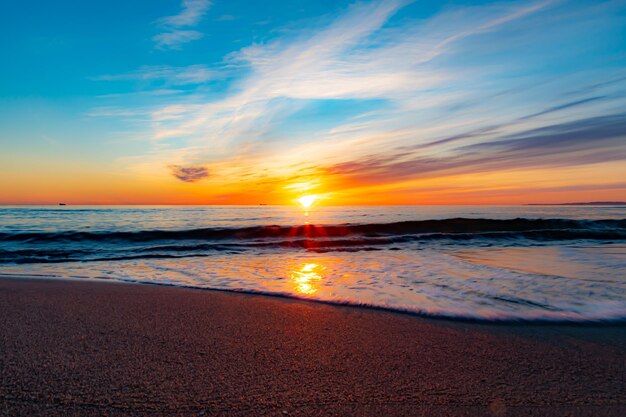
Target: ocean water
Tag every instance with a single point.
(545, 263)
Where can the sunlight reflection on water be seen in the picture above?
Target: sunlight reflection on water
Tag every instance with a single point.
(306, 278)
(452, 283)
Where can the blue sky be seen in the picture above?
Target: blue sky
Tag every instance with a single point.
(420, 102)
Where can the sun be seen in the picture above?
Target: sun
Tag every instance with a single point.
(307, 200)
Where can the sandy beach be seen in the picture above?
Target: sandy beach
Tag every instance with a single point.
(368, 208)
(99, 348)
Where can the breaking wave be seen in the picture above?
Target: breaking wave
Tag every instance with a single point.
(68, 246)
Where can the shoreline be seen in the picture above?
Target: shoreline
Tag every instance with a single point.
(374, 308)
(79, 347)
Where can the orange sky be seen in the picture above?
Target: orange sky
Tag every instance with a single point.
(84, 186)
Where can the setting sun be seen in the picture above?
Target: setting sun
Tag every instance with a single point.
(307, 200)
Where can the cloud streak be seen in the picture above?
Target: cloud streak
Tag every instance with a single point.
(586, 141)
(175, 38)
(193, 74)
(177, 26)
(190, 15)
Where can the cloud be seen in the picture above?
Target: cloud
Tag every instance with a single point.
(175, 39)
(564, 106)
(580, 142)
(193, 74)
(352, 58)
(587, 133)
(189, 174)
(467, 90)
(491, 130)
(192, 12)
(176, 35)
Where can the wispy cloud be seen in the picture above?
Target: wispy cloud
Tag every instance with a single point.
(176, 35)
(193, 74)
(352, 58)
(176, 38)
(438, 98)
(190, 15)
(586, 141)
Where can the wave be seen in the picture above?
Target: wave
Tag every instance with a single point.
(82, 246)
(457, 228)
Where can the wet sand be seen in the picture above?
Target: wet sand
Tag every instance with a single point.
(96, 348)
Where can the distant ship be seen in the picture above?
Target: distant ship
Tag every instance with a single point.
(62, 204)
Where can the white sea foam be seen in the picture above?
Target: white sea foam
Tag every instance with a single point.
(485, 284)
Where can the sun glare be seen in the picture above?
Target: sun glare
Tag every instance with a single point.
(307, 200)
(306, 278)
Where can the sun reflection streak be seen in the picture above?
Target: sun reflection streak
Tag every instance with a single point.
(306, 277)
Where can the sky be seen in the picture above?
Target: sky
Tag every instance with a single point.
(371, 102)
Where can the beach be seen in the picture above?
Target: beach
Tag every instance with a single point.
(72, 347)
(369, 208)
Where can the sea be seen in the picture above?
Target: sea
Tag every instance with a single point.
(509, 263)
